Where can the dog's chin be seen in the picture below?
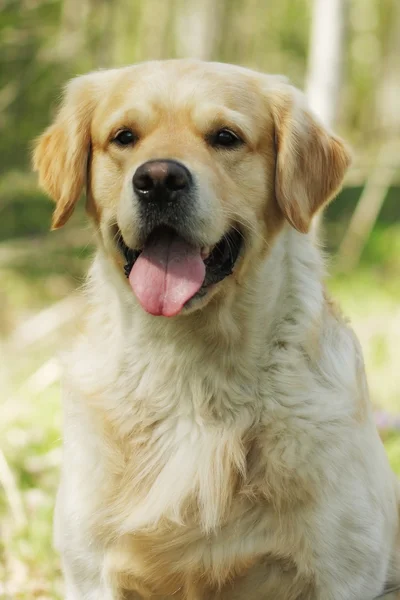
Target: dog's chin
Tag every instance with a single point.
(201, 299)
(219, 260)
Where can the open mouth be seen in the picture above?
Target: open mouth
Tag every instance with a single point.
(169, 272)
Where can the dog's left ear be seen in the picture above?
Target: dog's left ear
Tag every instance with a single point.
(61, 152)
(310, 161)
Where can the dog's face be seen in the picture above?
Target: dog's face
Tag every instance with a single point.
(191, 169)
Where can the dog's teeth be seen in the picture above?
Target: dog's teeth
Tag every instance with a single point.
(205, 252)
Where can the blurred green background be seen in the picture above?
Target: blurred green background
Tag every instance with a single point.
(42, 44)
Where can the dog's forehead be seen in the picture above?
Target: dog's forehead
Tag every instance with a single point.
(173, 86)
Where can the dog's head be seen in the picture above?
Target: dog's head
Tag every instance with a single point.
(190, 169)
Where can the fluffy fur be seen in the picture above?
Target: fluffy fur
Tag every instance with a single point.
(229, 452)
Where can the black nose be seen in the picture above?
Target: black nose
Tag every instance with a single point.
(161, 179)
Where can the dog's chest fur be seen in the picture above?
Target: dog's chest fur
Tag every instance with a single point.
(194, 463)
(190, 495)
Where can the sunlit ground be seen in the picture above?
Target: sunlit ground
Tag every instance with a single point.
(36, 275)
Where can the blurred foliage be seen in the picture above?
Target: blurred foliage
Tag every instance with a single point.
(45, 42)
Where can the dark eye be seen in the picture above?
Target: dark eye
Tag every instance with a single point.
(225, 138)
(125, 137)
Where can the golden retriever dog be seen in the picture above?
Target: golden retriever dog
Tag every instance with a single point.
(219, 442)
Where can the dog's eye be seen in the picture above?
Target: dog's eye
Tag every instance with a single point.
(225, 138)
(125, 137)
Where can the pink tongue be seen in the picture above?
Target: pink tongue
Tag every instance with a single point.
(167, 274)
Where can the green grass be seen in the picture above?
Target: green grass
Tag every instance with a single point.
(44, 270)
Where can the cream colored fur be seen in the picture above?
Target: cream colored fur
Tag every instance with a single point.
(229, 453)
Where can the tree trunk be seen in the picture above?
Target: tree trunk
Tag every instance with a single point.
(325, 63)
(198, 27)
(326, 58)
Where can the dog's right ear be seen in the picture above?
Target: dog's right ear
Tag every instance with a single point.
(61, 152)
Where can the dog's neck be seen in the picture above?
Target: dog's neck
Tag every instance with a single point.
(280, 299)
